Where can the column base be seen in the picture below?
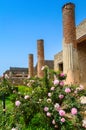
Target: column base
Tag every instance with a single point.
(73, 77)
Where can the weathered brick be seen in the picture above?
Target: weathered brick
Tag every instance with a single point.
(31, 68)
(69, 30)
(40, 54)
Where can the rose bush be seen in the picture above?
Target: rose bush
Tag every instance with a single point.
(64, 108)
(46, 104)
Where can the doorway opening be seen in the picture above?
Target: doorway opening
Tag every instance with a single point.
(60, 66)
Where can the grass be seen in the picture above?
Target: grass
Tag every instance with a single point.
(8, 105)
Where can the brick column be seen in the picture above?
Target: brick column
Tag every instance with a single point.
(70, 54)
(40, 55)
(31, 68)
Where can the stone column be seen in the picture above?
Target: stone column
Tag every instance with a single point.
(70, 54)
(40, 55)
(31, 68)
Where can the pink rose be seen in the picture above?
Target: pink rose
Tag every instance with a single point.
(75, 91)
(53, 122)
(52, 88)
(61, 83)
(84, 123)
(26, 97)
(49, 94)
(73, 111)
(61, 96)
(61, 112)
(56, 126)
(13, 128)
(62, 119)
(56, 82)
(67, 90)
(81, 87)
(62, 75)
(48, 114)
(17, 103)
(46, 109)
(57, 106)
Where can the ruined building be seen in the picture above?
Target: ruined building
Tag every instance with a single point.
(16, 72)
(72, 60)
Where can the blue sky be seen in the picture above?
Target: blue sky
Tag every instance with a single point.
(23, 22)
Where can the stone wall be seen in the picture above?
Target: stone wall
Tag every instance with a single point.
(49, 63)
(81, 29)
(58, 58)
(17, 72)
(82, 61)
(17, 81)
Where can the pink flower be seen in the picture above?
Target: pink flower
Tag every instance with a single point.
(75, 91)
(53, 122)
(62, 75)
(81, 87)
(48, 114)
(61, 83)
(13, 128)
(52, 88)
(26, 97)
(46, 109)
(49, 94)
(56, 126)
(62, 119)
(73, 111)
(84, 123)
(67, 90)
(61, 96)
(56, 82)
(57, 106)
(61, 112)
(17, 103)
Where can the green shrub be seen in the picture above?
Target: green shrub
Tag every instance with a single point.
(25, 89)
(38, 122)
(44, 104)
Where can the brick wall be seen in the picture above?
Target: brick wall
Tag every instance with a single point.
(69, 24)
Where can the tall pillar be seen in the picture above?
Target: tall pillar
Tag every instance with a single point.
(70, 54)
(31, 68)
(40, 55)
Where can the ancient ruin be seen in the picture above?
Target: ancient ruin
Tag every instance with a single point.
(40, 56)
(31, 67)
(71, 60)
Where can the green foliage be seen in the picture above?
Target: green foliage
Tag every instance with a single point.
(25, 105)
(6, 87)
(25, 89)
(38, 122)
